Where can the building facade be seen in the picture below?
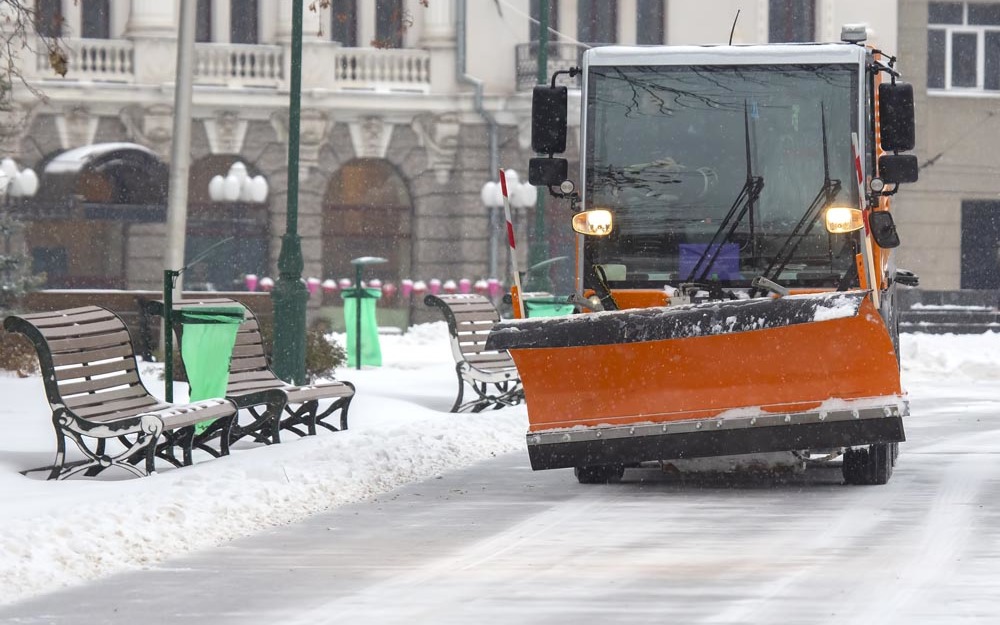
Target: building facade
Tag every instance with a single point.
(408, 108)
(950, 219)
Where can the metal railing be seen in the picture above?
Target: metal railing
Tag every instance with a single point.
(561, 56)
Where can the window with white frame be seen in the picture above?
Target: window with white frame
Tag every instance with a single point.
(344, 22)
(963, 46)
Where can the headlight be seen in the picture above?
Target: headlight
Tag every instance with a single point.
(840, 219)
(596, 222)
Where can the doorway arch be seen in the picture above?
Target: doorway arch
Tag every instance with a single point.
(367, 211)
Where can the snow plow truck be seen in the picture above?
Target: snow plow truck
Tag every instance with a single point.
(735, 278)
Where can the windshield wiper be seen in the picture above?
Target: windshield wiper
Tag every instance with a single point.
(744, 202)
(827, 193)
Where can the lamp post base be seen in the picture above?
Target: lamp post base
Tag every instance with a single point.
(290, 297)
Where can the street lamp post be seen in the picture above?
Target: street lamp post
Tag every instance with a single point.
(290, 294)
(522, 195)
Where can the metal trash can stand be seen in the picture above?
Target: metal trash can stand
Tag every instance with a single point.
(362, 327)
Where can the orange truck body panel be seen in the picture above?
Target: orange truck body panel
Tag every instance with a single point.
(786, 369)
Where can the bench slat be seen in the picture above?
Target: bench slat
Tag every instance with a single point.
(89, 399)
(91, 355)
(75, 388)
(90, 342)
(83, 317)
(82, 330)
(88, 371)
(117, 408)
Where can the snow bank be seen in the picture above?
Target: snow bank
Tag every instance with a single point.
(54, 534)
(963, 356)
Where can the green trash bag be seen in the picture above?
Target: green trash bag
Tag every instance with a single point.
(547, 307)
(371, 352)
(207, 347)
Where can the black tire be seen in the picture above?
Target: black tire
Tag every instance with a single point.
(869, 466)
(599, 474)
(855, 461)
(879, 463)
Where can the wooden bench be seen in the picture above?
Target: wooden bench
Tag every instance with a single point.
(491, 374)
(92, 383)
(250, 375)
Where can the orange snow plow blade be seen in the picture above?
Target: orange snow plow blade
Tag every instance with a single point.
(800, 372)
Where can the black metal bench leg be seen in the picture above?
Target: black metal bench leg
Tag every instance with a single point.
(461, 388)
(57, 466)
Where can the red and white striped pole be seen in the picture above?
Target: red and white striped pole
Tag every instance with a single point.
(513, 248)
(867, 253)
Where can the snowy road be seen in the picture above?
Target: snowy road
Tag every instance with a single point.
(497, 543)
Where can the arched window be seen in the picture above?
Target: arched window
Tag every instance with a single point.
(344, 22)
(243, 21)
(95, 18)
(367, 212)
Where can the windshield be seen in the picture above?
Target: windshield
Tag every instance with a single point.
(676, 150)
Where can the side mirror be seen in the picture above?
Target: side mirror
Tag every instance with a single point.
(548, 120)
(898, 168)
(547, 172)
(896, 117)
(883, 229)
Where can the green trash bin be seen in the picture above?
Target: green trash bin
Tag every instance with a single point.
(371, 352)
(207, 347)
(547, 307)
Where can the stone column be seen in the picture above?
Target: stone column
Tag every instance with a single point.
(311, 22)
(152, 19)
(72, 19)
(439, 38)
(152, 27)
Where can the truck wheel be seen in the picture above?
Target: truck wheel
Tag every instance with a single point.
(879, 463)
(599, 474)
(855, 462)
(868, 466)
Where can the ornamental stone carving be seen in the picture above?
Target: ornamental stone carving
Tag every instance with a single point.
(314, 127)
(438, 135)
(226, 132)
(152, 126)
(76, 127)
(15, 121)
(370, 137)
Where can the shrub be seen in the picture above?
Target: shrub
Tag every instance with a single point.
(17, 354)
(323, 354)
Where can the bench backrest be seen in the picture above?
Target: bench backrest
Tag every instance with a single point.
(470, 318)
(87, 361)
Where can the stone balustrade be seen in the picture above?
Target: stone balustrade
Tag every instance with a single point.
(240, 65)
(373, 69)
